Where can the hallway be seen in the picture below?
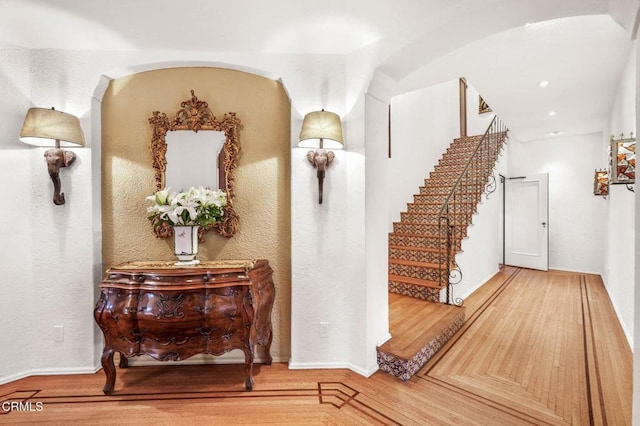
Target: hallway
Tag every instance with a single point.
(536, 348)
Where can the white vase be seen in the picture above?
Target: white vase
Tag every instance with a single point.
(185, 244)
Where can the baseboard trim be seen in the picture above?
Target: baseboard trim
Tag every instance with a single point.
(384, 339)
(332, 365)
(48, 372)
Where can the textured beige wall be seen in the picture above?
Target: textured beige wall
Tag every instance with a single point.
(262, 178)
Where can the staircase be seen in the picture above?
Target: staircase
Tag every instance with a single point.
(423, 246)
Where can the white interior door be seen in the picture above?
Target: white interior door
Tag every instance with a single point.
(527, 222)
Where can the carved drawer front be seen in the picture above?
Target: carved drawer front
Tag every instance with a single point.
(167, 317)
(226, 319)
(119, 317)
(190, 322)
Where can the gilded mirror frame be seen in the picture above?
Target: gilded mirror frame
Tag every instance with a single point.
(194, 115)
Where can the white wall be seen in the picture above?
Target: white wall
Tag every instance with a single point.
(622, 271)
(377, 190)
(16, 237)
(575, 214)
(636, 281)
(481, 253)
(52, 252)
(423, 124)
(482, 250)
(618, 273)
(48, 247)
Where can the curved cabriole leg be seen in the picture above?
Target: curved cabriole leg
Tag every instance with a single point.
(248, 366)
(109, 369)
(124, 362)
(267, 349)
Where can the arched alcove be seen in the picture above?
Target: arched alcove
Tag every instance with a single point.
(124, 176)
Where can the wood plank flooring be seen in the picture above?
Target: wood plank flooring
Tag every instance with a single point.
(537, 348)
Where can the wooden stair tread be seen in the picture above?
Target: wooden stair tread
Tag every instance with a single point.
(430, 265)
(415, 281)
(429, 249)
(425, 249)
(418, 222)
(415, 323)
(404, 234)
(439, 203)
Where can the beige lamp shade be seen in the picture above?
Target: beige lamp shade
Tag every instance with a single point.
(321, 129)
(43, 127)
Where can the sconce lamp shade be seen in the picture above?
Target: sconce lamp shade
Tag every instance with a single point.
(321, 129)
(44, 127)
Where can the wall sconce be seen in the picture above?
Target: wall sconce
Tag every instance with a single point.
(321, 129)
(601, 183)
(48, 127)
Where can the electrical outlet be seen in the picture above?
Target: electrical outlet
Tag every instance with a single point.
(324, 329)
(58, 333)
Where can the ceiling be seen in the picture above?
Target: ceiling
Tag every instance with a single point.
(581, 61)
(414, 42)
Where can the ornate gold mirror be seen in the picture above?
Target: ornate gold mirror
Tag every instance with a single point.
(208, 150)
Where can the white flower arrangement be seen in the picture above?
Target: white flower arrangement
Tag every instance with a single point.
(197, 206)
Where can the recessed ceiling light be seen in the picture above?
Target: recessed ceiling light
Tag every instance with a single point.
(544, 83)
(552, 113)
(556, 133)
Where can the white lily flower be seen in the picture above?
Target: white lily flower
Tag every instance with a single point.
(162, 196)
(202, 206)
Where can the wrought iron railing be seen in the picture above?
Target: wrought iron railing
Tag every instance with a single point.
(475, 179)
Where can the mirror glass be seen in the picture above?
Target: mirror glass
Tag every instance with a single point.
(192, 159)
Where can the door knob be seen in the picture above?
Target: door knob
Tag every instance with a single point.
(544, 224)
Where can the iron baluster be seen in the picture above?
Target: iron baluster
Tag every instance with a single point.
(473, 181)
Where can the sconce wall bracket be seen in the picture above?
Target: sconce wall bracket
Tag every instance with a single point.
(57, 158)
(320, 159)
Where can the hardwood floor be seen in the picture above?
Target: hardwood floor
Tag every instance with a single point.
(537, 348)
